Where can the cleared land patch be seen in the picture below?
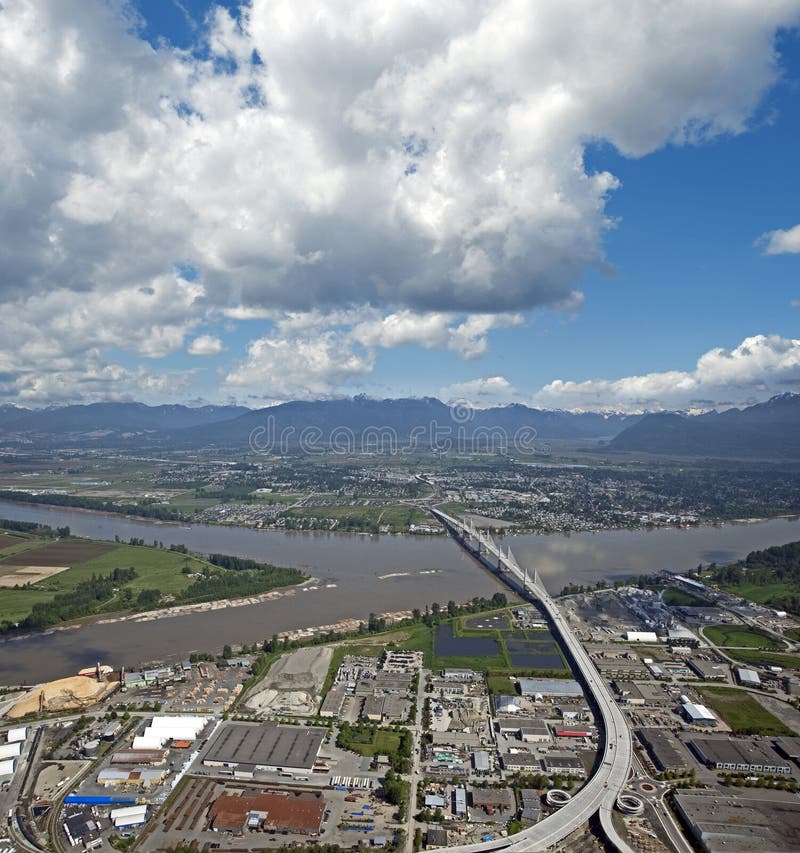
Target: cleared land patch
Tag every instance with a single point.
(743, 713)
(674, 597)
(11, 576)
(66, 553)
(294, 683)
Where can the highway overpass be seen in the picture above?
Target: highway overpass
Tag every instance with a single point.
(599, 794)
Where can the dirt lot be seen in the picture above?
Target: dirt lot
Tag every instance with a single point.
(8, 540)
(11, 576)
(60, 554)
(294, 684)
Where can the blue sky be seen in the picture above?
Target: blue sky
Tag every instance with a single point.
(228, 229)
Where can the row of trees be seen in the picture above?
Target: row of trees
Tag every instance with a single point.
(145, 509)
(81, 601)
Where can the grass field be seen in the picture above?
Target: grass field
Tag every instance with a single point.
(156, 568)
(758, 658)
(381, 742)
(743, 713)
(741, 635)
(674, 597)
(396, 516)
(793, 634)
(760, 594)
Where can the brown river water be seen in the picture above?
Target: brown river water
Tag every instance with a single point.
(358, 574)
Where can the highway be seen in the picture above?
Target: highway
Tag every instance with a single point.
(599, 794)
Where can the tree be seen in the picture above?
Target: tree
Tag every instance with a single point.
(227, 651)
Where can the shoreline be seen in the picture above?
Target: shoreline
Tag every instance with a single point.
(506, 530)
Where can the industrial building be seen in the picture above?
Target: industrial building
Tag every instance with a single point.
(332, 706)
(664, 750)
(629, 693)
(708, 670)
(7, 767)
(460, 802)
(747, 677)
(131, 777)
(698, 715)
(246, 748)
(164, 729)
(10, 750)
(739, 755)
(549, 687)
(563, 764)
(17, 735)
(493, 800)
(272, 811)
(521, 762)
(788, 747)
(129, 816)
(506, 704)
(480, 761)
(720, 823)
(681, 636)
(641, 636)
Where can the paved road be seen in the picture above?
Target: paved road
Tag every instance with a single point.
(599, 794)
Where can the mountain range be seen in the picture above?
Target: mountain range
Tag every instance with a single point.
(766, 430)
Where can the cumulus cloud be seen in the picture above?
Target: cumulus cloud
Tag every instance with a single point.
(488, 391)
(420, 160)
(206, 345)
(758, 368)
(785, 242)
(311, 354)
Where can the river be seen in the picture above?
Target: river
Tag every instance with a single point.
(360, 574)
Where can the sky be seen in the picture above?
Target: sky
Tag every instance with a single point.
(568, 204)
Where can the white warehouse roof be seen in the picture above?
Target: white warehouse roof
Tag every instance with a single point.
(17, 735)
(7, 767)
(128, 811)
(698, 712)
(748, 676)
(10, 750)
(641, 636)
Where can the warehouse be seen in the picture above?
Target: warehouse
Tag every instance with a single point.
(480, 761)
(332, 706)
(129, 816)
(641, 637)
(698, 715)
(683, 637)
(563, 764)
(16, 735)
(788, 747)
(521, 762)
(664, 750)
(163, 729)
(10, 750)
(708, 670)
(506, 704)
(139, 756)
(7, 767)
(549, 687)
(130, 777)
(493, 800)
(273, 811)
(739, 755)
(748, 677)
(247, 748)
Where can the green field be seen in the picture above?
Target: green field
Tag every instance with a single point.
(156, 568)
(760, 594)
(674, 597)
(793, 634)
(396, 517)
(742, 636)
(378, 742)
(759, 658)
(743, 713)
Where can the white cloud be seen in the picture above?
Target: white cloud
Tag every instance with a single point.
(206, 345)
(481, 393)
(313, 354)
(780, 242)
(300, 367)
(425, 160)
(758, 368)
